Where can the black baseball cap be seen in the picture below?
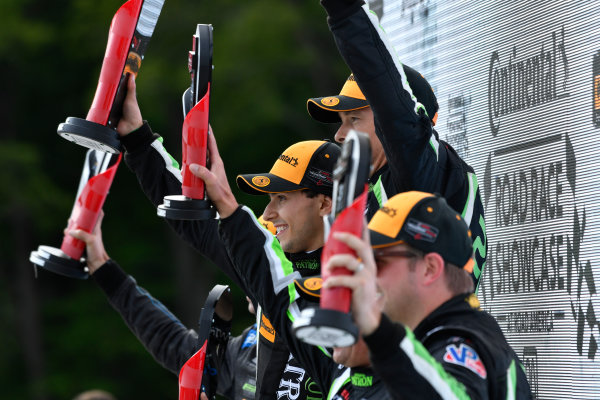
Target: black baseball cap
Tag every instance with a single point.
(425, 222)
(304, 165)
(325, 109)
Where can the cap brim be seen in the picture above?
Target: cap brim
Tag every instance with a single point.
(378, 240)
(265, 183)
(329, 114)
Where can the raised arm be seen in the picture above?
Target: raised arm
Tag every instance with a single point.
(159, 175)
(161, 333)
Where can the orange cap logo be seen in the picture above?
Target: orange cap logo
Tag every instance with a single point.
(261, 181)
(313, 283)
(330, 101)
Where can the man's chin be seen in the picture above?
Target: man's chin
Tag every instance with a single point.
(340, 355)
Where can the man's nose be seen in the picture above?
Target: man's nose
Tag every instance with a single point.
(341, 133)
(269, 214)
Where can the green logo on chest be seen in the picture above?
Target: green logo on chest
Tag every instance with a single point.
(362, 380)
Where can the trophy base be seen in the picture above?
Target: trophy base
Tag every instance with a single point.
(90, 134)
(327, 328)
(57, 261)
(182, 207)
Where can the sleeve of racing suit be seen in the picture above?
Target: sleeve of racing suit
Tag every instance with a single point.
(415, 158)
(161, 333)
(410, 371)
(159, 175)
(269, 276)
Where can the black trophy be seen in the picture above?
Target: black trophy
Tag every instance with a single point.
(193, 203)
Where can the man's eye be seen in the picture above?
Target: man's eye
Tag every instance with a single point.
(381, 261)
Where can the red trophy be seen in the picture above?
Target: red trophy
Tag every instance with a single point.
(98, 172)
(193, 203)
(130, 32)
(128, 37)
(331, 324)
(213, 335)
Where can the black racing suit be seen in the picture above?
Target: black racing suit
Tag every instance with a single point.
(457, 350)
(416, 158)
(159, 175)
(270, 276)
(169, 341)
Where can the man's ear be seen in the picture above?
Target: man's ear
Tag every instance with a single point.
(326, 204)
(434, 268)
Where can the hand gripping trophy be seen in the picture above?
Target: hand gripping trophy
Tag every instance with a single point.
(129, 34)
(130, 31)
(193, 203)
(331, 325)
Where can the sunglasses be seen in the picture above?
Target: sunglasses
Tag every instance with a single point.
(380, 253)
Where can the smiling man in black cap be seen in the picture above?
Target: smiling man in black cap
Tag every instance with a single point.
(413, 302)
(396, 106)
(276, 281)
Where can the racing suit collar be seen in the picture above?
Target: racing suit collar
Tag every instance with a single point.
(307, 263)
(455, 305)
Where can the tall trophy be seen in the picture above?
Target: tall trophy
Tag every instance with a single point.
(193, 203)
(98, 172)
(129, 34)
(128, 37)
(331, 325)
(213, 334)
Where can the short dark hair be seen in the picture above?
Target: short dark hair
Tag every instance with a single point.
(458, 280)
(311, 194)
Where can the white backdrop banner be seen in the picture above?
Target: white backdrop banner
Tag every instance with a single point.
(518, 85)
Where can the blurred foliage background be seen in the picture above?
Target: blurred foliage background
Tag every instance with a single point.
(59, 336)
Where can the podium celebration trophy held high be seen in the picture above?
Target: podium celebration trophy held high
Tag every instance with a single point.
(98, 172)
(331, 324)
(130, 31)
(213, 334)
(193, 203)
(128, 37)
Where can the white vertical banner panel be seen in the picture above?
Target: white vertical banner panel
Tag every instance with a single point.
(518, 85)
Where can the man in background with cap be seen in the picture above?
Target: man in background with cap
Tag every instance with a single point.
(398, 110)
(414, 305)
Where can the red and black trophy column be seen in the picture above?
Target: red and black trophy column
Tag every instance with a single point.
(331, 324)
(193, 203)
(129, 34)
(130, 31)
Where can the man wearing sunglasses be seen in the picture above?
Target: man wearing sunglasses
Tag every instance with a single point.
(414, 305)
